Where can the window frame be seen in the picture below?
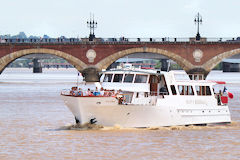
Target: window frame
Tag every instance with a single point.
(174, 89)
(125, 76)
(140, 75)
(203, 90)
(185, 90)
(117, 81)
(108, 74)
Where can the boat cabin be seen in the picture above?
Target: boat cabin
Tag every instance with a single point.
(153, 83)
(148, 83)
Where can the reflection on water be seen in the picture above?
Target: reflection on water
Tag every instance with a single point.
(35, 124)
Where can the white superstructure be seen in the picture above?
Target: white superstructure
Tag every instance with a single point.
(146, 98)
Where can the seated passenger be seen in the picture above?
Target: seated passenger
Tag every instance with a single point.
(80, 93)
(105, 92)
(111, 93)
(88, 92)
(96, 92)
(101, 91)
(120, 100)
(74, 91)
(118, 94)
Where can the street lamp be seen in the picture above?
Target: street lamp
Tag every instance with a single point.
(92, 25)
(198, 20)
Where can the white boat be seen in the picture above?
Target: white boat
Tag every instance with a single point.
(147, 98)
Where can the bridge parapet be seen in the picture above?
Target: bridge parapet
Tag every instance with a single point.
(192, 56)
(118, 40)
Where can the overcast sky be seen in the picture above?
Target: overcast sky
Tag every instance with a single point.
(129, 18)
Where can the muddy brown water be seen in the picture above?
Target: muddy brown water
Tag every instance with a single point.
(35, 124)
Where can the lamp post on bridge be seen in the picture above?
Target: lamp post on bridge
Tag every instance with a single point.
(92, 25)
(198, 20)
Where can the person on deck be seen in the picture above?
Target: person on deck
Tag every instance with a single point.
(74, 91)
(80, 93)
(88, 92)
(96, 92)
(101, 91)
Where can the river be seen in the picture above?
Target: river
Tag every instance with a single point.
(34, 124)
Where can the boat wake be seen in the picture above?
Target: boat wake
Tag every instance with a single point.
(232, 125)
(86, 126)
(89, 126)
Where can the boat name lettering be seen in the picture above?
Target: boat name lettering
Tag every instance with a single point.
(195, 102)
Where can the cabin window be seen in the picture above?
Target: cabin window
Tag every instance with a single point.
(208, 91)
(173, 90)
(140, 79)
(189, 90)
(145, 94)
(107, 78)
(117, 78)
(185, 90)
(137, 95)
(128, 78)
(195, 77)
(191, 76)
(203, 90)
(181, 90)
(201, 77)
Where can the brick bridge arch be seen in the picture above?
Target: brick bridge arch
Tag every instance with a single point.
(5, 60)
(185, 64)
(210, 64)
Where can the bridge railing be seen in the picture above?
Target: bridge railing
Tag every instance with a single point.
(117, 40)
(39, 40)
(156, 39)
(224, 39)
(169, 39)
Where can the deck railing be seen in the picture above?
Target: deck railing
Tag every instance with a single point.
(106, 93)
(87, 93)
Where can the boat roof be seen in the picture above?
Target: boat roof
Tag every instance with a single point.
(136, 70)
(170, 76)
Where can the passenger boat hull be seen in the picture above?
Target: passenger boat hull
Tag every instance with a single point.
(107, 112)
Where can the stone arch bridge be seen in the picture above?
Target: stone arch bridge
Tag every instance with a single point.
(91, 57)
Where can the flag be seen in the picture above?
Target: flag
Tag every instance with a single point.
(230, 95)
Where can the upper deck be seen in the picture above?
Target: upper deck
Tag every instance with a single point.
(135, 76)
(135, 82)
(155, 81)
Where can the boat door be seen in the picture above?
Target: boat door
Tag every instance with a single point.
(154, 80)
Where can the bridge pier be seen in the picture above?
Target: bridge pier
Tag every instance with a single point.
(37, 68)
(164, 64)
(91, 74)
(197, 73)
